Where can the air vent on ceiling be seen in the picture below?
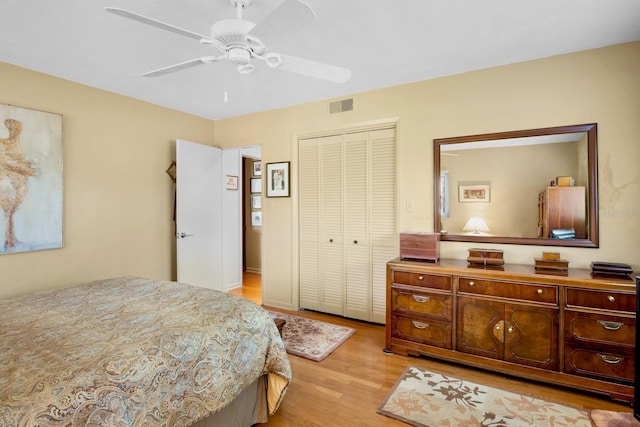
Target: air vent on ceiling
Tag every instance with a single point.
(341, 106)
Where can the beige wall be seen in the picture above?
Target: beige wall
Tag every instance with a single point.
(118, 200)
(596, 86)
(516, 176)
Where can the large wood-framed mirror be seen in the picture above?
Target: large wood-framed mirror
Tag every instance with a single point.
(527, 187)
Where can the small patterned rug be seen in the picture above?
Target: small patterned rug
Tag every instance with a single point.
(427, 399)
(311, 338)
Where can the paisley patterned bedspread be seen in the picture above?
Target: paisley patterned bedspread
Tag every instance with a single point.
(133, 352)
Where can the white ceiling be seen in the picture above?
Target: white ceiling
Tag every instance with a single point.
(383, 42)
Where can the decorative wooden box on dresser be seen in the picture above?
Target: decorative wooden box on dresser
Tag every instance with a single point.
(572, 330)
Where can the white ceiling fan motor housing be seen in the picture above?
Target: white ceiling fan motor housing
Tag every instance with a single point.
(230, 31)
(239, 55)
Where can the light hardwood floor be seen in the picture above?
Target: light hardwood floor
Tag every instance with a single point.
(346, 388)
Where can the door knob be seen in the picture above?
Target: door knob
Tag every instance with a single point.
(183, 235)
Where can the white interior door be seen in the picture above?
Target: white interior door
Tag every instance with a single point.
(199, 214)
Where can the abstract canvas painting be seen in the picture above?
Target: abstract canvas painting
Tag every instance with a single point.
(30, 180)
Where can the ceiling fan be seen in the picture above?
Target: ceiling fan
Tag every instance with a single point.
(239, 41)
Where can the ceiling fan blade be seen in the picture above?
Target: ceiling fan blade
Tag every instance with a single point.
(155, 23)
(182, 66)
(315, 69)
(284, 20)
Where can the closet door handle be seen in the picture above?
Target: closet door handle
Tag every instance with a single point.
(355, 242)
(330, 240)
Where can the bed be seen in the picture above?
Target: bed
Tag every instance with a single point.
(133, 351)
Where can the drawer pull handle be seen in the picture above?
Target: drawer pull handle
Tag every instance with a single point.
(419, 325)
(539, 291)
(421, 277)
(611, 298)
(472, 283)
(610, 326)
(612, 360)
(420, 298)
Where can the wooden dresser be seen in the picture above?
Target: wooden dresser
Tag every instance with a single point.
(574, 330)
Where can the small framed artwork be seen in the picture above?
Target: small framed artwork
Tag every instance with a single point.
(256, 219)
(278, 179)
(256, 201)
(474, 193)
(257, 168)
(232, 182)
(256, 185)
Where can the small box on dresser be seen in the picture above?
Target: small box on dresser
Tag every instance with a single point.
(420, 246)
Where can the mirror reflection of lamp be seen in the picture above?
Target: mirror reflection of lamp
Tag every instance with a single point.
(476, 225)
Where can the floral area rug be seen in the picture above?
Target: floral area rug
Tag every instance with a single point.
(311, 338)
(427, 399)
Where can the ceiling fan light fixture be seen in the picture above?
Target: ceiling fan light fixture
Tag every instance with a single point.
(273, 60)
(246, 68)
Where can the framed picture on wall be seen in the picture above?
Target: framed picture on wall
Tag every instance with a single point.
(256, 219)
(256, 185)
(232, 182)
(474, 193)
(31, 194)
(278, 179)
(256, 201)
(257, 168)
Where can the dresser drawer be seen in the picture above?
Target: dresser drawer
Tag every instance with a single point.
(618, 367)
(419, 279)
(413, 302)
(421, 331)
(600, 329)
(529, 292)
(606, 300)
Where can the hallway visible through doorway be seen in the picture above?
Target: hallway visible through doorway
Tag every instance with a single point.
(251, 287)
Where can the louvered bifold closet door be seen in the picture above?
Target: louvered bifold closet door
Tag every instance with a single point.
(309, 214)
(331, 226)
(347, 189)
(356, 226)
(320, 192)
(383, 234)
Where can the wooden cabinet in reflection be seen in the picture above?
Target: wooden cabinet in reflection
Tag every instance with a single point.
(562, 208)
